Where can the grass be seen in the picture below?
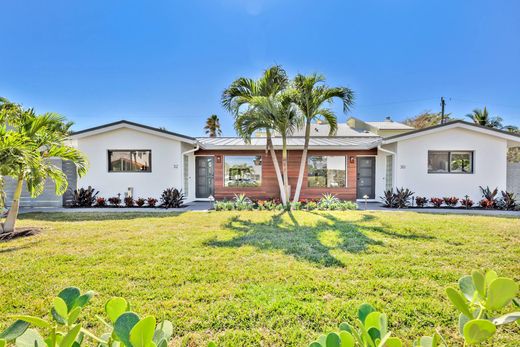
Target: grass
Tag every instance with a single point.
(259, 278)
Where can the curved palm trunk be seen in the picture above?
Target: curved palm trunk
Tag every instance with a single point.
(283, 195)
(284, 168)
(10, 221)
(303, 161)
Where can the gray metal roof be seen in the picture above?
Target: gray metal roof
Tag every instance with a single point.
(295, 142)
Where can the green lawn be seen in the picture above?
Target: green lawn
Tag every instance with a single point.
(259, 278)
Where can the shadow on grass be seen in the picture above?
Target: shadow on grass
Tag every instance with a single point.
(312, 243)
(98, 215)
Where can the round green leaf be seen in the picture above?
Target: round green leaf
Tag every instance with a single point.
(14, 330)
(142, 333)
(31, 338)
(73, 315)
(60, 306)
(500, 292)
(478, 330)
(463, 319)
(167, 328)
(33, 320)
(364, 310)
(347, 340)
(69, 295)
(467, 287)
(123, 325)
(479, 282)
(507, 318)
(393, 342)
(345, 327)
(3, 343)
(68, 340)
(490, 277)
(333, 340)
(84, 299)
(458, 301)
(313, 344)
(116, 307)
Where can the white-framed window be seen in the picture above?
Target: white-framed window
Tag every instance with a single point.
(326, 171)
(450, 162)
(242, 171)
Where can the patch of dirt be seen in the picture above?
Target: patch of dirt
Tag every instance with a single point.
(20, 232)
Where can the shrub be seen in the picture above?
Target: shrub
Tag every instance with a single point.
(172, 198)
(311, 205)
(129, 201)
(115, 201)
(508, 201)
(437, 202)
(388, 198)
(489, 195)
(126, 329)
(347, 205)
(140, 202)
(485, 203)
(151, 202)
(242, 202)
(451, 201)
(403, 197)
(84, 197)
(467, 202)
(421, 201)
(327, 201)
(296, 205)
(101, 202)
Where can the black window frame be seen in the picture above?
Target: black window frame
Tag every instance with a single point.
(129, 150)
(472, 153)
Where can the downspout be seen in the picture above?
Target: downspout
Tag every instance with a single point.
(197, 147)
(394, 163)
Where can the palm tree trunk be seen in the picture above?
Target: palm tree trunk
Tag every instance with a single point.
(284, 168)
(276, 165)
(303, 161)
(10, 221)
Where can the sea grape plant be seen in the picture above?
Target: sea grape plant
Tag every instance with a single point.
(371, 330)
(127, 329)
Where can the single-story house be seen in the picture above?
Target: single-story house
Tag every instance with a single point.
(361, 159)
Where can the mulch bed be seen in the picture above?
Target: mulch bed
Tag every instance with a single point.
(20, 232)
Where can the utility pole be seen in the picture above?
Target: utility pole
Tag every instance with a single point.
(443, 103)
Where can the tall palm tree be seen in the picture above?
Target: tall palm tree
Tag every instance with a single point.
(482, 117)
(213, 126)
(239, 95)
(310, 94)
(277, 113)
(27, 142)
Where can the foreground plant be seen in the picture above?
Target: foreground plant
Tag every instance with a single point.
(126, 328)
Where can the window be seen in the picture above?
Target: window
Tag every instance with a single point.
(130, 161)
(450, 162)
(242, 171)
(186, 171)
(326, 172)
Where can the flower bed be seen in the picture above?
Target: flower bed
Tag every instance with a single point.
(87, 198)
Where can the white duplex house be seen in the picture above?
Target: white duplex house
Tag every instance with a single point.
(362, 159)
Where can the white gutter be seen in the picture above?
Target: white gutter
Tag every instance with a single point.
(379, 148)
(191, 150)
(394, 164)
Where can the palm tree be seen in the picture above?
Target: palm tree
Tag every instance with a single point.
(27, 142)
(481, 117)
(277, 113)
(310, 94)
(239, 95)
(213, 126)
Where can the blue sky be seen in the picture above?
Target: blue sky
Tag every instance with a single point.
(165, 63)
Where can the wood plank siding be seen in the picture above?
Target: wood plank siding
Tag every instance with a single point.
(269, 184)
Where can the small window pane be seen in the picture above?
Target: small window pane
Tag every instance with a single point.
(326, 172)
(242, 171)
(461, 162)
(129, 161)
(438, 162)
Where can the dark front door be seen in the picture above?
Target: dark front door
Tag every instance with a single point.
(204, 178)
(366, 177)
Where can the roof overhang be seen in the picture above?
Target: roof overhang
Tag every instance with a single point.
(124, 124)
(513, 140)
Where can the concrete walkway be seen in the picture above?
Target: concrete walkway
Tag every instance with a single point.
(201, 206)
(376, 206)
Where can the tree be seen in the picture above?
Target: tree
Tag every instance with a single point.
(309, 94)
(426, 119)
(481, 117)
(213, 126)
(27, 142)
(277, 113)
(238, 96)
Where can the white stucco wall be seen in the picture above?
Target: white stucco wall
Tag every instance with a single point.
(490, 161)
(166, 163)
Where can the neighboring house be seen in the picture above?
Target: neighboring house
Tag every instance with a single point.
(361, 159)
